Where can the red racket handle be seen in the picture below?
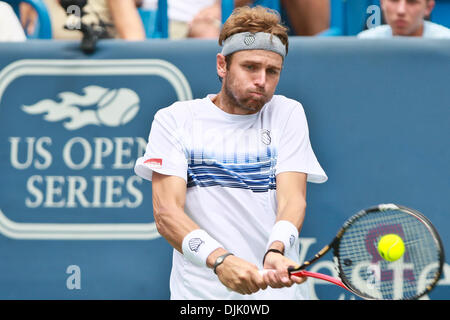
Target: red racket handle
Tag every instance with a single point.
(304, 273)
(321, 276)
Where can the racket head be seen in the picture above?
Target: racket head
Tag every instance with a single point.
(363, 270)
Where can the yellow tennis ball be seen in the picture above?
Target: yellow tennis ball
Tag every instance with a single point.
(391, 247)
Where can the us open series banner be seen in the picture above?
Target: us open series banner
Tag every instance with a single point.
(75, 149)
(71, 133)
(77, 223)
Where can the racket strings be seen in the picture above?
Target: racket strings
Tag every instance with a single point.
(364, 269)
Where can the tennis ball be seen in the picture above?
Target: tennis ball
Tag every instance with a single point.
(118, 107)
(391, 247)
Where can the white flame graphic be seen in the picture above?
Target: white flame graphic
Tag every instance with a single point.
(113, 107)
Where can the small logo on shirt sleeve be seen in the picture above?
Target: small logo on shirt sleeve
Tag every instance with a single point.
(154, 163)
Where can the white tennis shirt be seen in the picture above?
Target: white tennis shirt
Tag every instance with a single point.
(229, 163)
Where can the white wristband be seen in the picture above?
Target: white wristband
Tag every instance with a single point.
(283, 231)
(198, 245)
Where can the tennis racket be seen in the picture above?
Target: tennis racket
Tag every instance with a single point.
(365, 273)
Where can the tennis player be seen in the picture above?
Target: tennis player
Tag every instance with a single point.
(229, 172)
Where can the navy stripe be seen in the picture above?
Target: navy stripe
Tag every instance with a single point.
(258, 177)
(219, 169)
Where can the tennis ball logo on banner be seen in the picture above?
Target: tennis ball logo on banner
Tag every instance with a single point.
(111, 108)
(72, 142)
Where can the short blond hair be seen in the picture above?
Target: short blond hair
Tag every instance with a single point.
(256, 19)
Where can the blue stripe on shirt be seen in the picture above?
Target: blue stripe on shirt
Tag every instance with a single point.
(256, 175)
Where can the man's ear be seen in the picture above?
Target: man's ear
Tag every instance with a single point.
(430, 7)
(221, 65)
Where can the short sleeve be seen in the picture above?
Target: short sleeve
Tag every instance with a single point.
(165, 152)
(294, 152)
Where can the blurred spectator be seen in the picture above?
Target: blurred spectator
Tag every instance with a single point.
(121, 17)
(126, 19)
(206, 23)
(191, 18)
(187, 18)
(10, 27)
(202, 18)
(28, 17)
(407, 18)
(307, 17)
(58, 17)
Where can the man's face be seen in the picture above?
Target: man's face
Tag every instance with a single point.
(250, 79)
(406, 16)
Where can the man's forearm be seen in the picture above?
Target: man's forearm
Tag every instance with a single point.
(293, 211)
(173, 224)
(291, 199)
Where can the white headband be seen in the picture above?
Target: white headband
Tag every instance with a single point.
(253, 41)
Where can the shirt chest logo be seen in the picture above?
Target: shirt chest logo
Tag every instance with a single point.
(265, 137)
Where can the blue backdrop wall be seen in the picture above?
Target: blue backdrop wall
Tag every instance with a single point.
(76, 223)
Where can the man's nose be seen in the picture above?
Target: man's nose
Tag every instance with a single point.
(260, 78)
(401, 7)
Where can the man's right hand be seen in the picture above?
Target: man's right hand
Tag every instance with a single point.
(240, 276)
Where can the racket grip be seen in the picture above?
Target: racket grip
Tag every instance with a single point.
(264, 271)
(304, 273)
(321, 276)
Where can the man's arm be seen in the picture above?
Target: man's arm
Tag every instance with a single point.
(169, 195)
(291, 199)
(127, 20)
